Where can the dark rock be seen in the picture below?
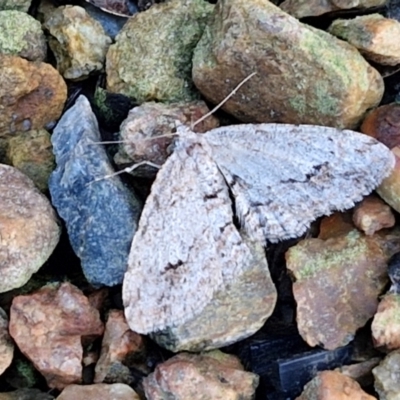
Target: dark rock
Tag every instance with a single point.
(101, 216)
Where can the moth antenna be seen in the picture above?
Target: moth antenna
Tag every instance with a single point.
(219, 105)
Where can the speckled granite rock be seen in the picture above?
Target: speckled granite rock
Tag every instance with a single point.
(19, 5)
(29, 228)
(387, 383)
(21, 35)
(32, 95)
(321, 80)
(79, 42)
(100, 216)
(151, 59)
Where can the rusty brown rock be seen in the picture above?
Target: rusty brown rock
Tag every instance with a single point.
(372, 215)
(310, 8)
(6, 344)
(117, 391)
(32, 95)
(304, 75)
(337, 224)
(386, 323)
(336, 286)
(332, 385)
(386, 374)
(147, 132)
(49, 325)
(383, 123)
(119, 345)
(209, 376)
(373, 35)
(29, 228)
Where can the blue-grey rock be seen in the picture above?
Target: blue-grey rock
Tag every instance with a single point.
(101, 217)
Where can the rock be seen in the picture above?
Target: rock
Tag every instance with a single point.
(101, 216)
(29, 228)
(304, 75)
(207, 376)
(31, 153)
(387, 383)
(32, 95)
(117, 391)
(372, 215)
(119, 346)
(336, 286)
(389, 189)
(307, 8)
(79, 42)
(26, 394)
(48, 327)
(336, 225)
(394, 272)
(361, 372)
(234, 313)
(386, 324)
(373, 35)
(156, 64)
(19, 5)
(383, 123)
(21, 35)
(6, 344)
(332, 385)
(147, 132)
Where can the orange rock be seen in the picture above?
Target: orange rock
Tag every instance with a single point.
(337, 224)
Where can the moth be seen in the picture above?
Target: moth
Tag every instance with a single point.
(274, 178)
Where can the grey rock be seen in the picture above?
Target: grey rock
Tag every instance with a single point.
(101, 216)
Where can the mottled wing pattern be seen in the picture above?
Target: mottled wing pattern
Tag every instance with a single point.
(186, 246)
(284, 176)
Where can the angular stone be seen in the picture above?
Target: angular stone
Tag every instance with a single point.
(48, 327)
(21, 35)
(373, 35)
(233, 314)
(117, 391)
(101, 216)
(361, 372)
(208, 376)
(304, 75)
(119, 345)
(312, 8)
(32, 95)
(19, 5)
(151, 59)
(386, 374)
(78, 41)
(31, 153)
(372, 215)
(386, 323)
(332, 385)
(6, 344)
(29, 228)
(336, 286)
(147, 132)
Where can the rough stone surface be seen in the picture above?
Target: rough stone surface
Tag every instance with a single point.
(336, 286)
(304, 75)
(332, 385)
(31, 153)
(26, 394)
(361, 372)
(335, 225)
(48, 327)
(310, 8)
(147, 132)
(32, 95)
(21, 35)
(29, 228)
(117, 391)
(19, 5)
(386, 323)
(234, 313)
(386, 374)
(372, 215)
(209, 376)
(78, 41)
(119, 345)
(373, 35)
(101, 216)
(6, 344)
(389, 189)
(147, 69)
